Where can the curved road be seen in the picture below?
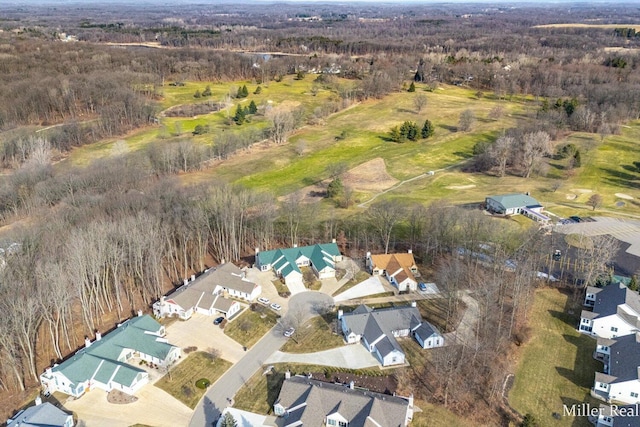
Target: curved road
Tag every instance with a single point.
(302, 306)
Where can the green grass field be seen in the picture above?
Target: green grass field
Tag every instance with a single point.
(180, 381)
(250, 326)
(314, 335)
(556, 365)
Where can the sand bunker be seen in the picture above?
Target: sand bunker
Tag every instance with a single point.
(571, 196)
(623, 196)
(371, 177)
(581, 190)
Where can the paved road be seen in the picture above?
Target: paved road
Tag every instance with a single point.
(301, 307)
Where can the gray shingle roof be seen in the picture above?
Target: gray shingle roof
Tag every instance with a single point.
(309, 402)
(425, 330)
(227, 276)
(43, 415)
(624, 359)
(610, 297)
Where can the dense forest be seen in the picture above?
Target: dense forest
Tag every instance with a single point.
(86, 245)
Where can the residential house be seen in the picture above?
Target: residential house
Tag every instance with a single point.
(206, 294)
(41, 415)
(516, 204)
(615, 311)
(104, 363)
(620, 381)
(399, 269)
(286, 263)
(377, 330)
(618, 416)
(307, 402)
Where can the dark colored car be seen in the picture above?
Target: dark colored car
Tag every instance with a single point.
(218, 320)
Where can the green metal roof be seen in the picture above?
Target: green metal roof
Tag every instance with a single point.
(102, 358)
(510, 201)
(284, 260)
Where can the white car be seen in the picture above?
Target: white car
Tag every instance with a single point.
(275, 306)
(289, 332)
(264, 301)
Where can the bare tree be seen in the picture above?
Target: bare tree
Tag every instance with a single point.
(595, 201)
(466, 121)
(383, 217)
(535, 145)
(282, 123)
(500, 151)
(594, 254)
(420, 102)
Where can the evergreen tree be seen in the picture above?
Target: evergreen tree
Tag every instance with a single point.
(427, 129)
(240, 116)
(529, 421)
(409, 130)
(243, 92)
(207, 91)
(395, 134)
(253, 108)
(633, 283)
(412, 87)
(197, 94)
(335, 188)
(229, 421)
(258, 91)
(577, 161)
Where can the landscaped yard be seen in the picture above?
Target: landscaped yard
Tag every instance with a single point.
(314, 335)
(250, 326)
(180, 382)
(556, 366)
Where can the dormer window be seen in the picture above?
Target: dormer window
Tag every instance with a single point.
(278, 409)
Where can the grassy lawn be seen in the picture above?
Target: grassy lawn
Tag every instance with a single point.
(556, 366)
(180, 381)
(436, 416)
(314, 335)
(250, 326)
(359, 277)
(435, 311)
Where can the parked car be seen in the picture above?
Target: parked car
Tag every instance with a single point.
(263, 300)
(289, 332)
(557, 254)
(275, 306)
(218, 320)
(422, 286)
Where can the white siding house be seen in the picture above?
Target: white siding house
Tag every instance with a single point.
(620, 381)
(615, 311)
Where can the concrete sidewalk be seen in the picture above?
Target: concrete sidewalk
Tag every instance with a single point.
(353, 356)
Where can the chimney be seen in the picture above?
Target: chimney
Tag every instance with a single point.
(48, 371)
(333, 240)
(295, 245)
(87, 342)
(340, 314)
(410, 251)
(309, 375)
(185, 282)
(193, 277)
(413, 304)
(410, 400)
(257, 251)
(287, 375)
(352, 385)
(98, 336)
(368, 254)
(38, 400)
(139, 313)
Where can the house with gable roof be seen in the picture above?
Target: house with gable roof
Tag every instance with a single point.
(378, 329)
(615, 311)
(400, 269)
(620, 381)
(306, 402)
(104, 363)
(286, 263)
(206, 294)
(41, 415)
(516, 204)
(618, 416)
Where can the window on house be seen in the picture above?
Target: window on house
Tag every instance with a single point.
(603, 385)
(331, 422)
(342, 424)
(634, 394)
(614, 329)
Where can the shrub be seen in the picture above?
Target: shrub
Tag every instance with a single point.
(203, 383)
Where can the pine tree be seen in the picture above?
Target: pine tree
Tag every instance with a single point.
(412, 87)
(427, 129)
(240, 116)
(335, 188)
(577, 161)
(243, 92)
(258, 91)
(207, 91)
(197, 94)
(229, 421)
(253, 108)
(395, 134)
(633, 283)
